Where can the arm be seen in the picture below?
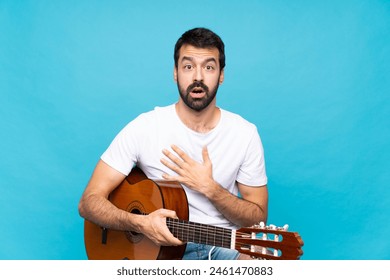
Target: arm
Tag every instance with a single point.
(251, 209)
(95, 206)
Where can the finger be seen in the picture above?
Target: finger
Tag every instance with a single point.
(170, 165)
(168, 213)
(179, 179)
(170, 177)
(181, 153)
(205, 155)
(176, 241)
(170, 238)
(173, 158)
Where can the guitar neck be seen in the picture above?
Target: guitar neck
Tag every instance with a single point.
(200, 233)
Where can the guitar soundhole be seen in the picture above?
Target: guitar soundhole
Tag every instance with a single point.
(135, 207)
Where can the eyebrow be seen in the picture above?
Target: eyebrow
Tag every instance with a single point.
(212, 59)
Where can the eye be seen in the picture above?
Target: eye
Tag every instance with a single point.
(188, 67)
(209, 67)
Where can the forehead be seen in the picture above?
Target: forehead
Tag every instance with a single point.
(188, 51)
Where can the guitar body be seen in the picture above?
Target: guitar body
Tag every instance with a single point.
(138, 195)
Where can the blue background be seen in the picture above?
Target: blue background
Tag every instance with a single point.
(314, 76)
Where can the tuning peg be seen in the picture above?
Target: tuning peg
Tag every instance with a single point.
(261, 224)
(283, 228)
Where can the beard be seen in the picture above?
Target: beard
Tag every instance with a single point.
(197, 104)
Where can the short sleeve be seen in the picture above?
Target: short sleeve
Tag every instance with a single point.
(122, 152)
(252, 170)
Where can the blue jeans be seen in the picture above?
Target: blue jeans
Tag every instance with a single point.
(205, 252)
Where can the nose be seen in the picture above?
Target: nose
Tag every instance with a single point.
(198, 74)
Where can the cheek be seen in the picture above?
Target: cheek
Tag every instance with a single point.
(184, 80)
(215, 80)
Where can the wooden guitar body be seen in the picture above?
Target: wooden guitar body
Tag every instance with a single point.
(139, 195)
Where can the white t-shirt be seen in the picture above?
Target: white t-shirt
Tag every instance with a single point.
(234, 147)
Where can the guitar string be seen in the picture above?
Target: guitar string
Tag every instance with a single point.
(222, 236)
(225, 237)
(203, 228)
(181, 225)
(200, 233)
(186, 225)
(225, 241)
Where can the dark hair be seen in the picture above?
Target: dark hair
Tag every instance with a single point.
(201, 38)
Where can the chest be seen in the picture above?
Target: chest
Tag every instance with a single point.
(226, 151)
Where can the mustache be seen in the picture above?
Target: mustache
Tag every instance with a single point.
(197, 85)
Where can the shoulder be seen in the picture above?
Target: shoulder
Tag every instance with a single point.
(151, 116)
(159, 111)
(237, 121)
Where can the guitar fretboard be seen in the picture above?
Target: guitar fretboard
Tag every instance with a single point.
(200, 233)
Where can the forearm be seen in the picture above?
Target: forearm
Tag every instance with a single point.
(237, 210)
(102, 212)
(99, 210)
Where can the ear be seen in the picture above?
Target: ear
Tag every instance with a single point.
(175, 73)
(221, 76)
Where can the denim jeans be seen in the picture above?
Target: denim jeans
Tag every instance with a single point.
(205, 252)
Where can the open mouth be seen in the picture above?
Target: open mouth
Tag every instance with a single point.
(197, 92)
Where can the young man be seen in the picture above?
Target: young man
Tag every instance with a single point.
(212, 153)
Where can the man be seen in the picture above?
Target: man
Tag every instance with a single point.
(213, 153)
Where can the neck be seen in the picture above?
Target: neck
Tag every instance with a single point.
(202, 121)
(201, 233)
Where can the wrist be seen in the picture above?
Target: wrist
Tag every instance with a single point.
(212, 190)
(133, 222)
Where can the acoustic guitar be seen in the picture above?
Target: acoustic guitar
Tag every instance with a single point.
(139, 195)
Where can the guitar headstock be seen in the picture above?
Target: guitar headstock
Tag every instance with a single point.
(269, 242)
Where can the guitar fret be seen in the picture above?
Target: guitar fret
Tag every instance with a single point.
(200, 233)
